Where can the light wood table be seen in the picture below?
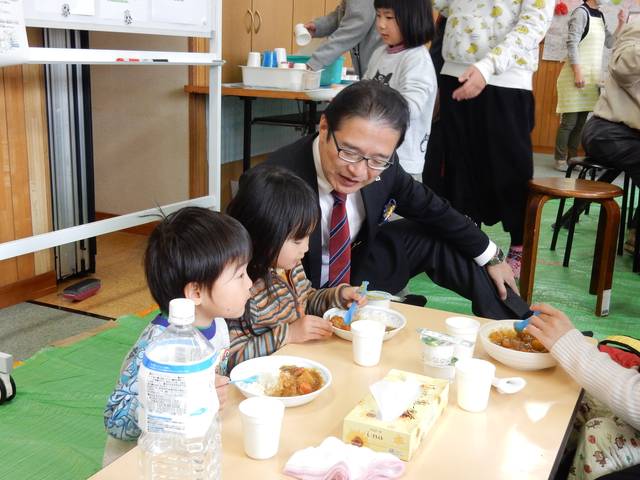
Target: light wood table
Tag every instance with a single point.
(518, 437)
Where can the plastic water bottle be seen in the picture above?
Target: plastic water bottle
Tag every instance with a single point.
(181, 436)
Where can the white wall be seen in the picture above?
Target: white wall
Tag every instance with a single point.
(140, 127)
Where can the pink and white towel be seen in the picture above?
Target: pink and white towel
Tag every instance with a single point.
(336, 460)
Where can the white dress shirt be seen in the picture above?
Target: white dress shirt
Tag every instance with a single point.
(355, 212)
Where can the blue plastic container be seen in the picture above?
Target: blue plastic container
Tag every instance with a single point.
(331, 74)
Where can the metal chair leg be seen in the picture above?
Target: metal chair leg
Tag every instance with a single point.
(623, 215)
(572, 229)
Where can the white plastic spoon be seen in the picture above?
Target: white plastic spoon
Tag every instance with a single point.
(509, 385)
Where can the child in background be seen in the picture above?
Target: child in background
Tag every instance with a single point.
(280, 211)
(404, 63)
(193, 253)
(579, 81)
(609, 418)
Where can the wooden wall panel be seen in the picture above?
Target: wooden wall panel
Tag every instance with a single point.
(38, 159)
(547, 120)
(25, 195)
(18, 159)
(8, 269)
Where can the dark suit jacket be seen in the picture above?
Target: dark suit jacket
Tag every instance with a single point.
(414, 201)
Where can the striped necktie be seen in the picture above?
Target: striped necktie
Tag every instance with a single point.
(339, 242)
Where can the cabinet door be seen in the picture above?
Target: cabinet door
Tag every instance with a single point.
(272, 26)
(236, 37)
(304, 11)
(330, 6)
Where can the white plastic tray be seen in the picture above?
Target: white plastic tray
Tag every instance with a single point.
(283, 78)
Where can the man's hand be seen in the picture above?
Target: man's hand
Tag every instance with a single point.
(308, 328)
(311, 27)
(622, 18)
(502, 275)
(472, 84)
(222, 384)
(549, 325)
(350, 294)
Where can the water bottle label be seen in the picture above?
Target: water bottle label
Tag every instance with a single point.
(179, 400)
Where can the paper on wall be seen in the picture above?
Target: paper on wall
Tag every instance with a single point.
(132, 10)
(82, 7)
(189, 12)
(13, 34)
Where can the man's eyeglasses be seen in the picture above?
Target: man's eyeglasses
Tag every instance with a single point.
(374, 163)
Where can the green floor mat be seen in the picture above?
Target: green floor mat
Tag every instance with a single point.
(564, 288)
(53, 428)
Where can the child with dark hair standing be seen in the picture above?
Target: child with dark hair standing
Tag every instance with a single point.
(404, 63)
(280, 211)
(193, 253)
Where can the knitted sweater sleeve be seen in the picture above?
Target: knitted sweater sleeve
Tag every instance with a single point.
(598, 374)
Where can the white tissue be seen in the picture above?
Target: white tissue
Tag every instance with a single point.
(393, 397)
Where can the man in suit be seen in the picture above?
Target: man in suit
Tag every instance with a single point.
(352, 165)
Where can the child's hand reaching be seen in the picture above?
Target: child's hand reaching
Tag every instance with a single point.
(351, 294)
(549, 325)
(308, 327)
(222, 384)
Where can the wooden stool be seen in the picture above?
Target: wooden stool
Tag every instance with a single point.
(543, 189)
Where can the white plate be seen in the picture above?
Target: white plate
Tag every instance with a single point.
(387, 316)
(271, 365)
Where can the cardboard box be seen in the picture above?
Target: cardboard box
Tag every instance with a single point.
(403, 435)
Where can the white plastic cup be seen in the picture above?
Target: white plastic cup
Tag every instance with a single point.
(463, 328)
(378, 298)
(473, 383)
(367, 342)
(253, 59)
(303, 37)
(261, 425)
(300, 66)
(281, 55)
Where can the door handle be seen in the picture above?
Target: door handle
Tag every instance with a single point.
(256, 29)
(250, 13)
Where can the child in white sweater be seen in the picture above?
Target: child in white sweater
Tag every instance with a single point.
(404, 63)
(609, 418)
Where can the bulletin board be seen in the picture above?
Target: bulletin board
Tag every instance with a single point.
(189, 18)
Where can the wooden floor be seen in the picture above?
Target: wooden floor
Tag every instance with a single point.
(119, 266)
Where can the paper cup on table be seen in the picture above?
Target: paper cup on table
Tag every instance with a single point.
(463, 328)
(281, 55)
(253, 59)
(367, 342)
(303, 37)
(261, 424)
(473, 382)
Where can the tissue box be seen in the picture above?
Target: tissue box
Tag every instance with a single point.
(401, 436)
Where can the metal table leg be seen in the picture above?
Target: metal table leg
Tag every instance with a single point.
(246, 144)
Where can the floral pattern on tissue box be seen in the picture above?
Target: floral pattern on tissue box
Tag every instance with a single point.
(403, 435)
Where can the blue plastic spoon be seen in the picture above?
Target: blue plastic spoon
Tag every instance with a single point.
(522, 324)
(251, 379)
(354, 305)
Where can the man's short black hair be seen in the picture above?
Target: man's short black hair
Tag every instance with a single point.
(414, 18)
(193, 244)
(372, 100)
